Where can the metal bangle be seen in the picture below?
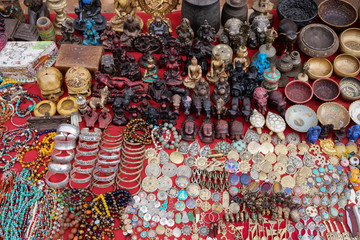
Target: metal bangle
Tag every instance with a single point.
(86, 132)
(111, 149)
(90, 138)
(62, 159)
(59, 168)
(105, 185)
(64, 145)
(103, 179)
(61, 184)
(86, 153)
(86, 187)
(124, 159)
(68, 128)
(133, 152)
(86, 162)
(112, 156)
(130, 173)
(79, 168)
(81, 180)
(129, 188)
(106, 170)
(88, 146)
(109, 163)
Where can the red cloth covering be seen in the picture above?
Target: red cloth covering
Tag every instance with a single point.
(175, 19)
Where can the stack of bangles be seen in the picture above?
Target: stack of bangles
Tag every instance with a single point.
(62, 155)
(86, 157)
(6, 111)
(108, 160)
(131, 165)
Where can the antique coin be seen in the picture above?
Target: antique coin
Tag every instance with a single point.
(290, 169)
(150, 153)
(293, 138)
(276, 140)
(169, 169)
(150, 184)
(280, 168)
(193, 190)
(234, 208)
(266, 167)
(165, 183)
(258, 158)
(281, 149)
(190, 161)
(292, 149)
(154, 160)
(184, 170)
(270, 157)
(254, 174)
(303, 148)
(182, 182)
(176, 157)
(183, 147)
(282, 159)
(296, 161)
(256, 167)
(173, 192)
(245, 156)
(288, 181)
(201, 163)
(251, 135)
(233, 155)
(205, 194)
(265, 137)
(266, 147)
(244, 166)
(153, 169)
(274, 177)
(253, 147)
(262, 176)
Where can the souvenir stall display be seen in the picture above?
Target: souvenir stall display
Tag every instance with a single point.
(172, 131)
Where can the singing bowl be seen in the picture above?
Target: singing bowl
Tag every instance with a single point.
(326, 89)
(298, 91)
(318, 40)
(350, 41)
(338, 14)
(346, 65)
(301, 12)
(300, 118)
(319, 68)
(350, 88)
(354, 111)
(333, 113)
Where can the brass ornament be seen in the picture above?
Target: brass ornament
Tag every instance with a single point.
(176, 157)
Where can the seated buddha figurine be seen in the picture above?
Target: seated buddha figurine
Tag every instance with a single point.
(217, 69)
(89, 9)
(123, 9)
(150, 74)
(242, 57)
(201, 90)
(194, 74)
(221, 90)
(172, 76)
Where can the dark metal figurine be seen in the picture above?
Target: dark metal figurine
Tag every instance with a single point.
(36, 10)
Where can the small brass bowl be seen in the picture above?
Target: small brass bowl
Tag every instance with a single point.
(319, 68)
(67, 105)
(346, 65)
(350, 88)
(339, 15)
(350, 41)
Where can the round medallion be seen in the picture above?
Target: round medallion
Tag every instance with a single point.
(182, 182)
(169, 169)
(254, 147)
(205, 194)
(184, 170)
(150, 184)
(193, 190)
(231, 166)
(164, 183)
(176, 157)
(153, 169)
(266, 147)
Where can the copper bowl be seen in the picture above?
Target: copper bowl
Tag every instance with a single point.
(318, 40)
(350, 88)
(319, 68)
(298, 91)
(326, 89)
(346, 65)
(350, 41)
(333, 113)
(338, 14)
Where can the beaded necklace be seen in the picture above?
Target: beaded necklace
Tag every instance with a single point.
(44, 149)
(15, 211)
